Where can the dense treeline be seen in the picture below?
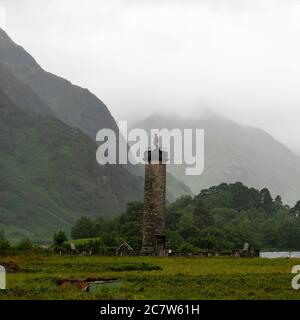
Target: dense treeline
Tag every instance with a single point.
(111, 232)
(6, 247)
(219, 218)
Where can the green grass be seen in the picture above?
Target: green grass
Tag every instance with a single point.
(45, 277)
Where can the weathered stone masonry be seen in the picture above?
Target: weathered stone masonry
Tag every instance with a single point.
(154, 203)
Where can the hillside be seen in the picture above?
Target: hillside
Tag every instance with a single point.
(235, 152)
(49, 176)
(21, 94)
(75, 106)
(175, 188)
(35, 90)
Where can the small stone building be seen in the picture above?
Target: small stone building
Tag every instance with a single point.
(124, 250)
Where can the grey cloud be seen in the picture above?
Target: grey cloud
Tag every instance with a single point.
(239, 58)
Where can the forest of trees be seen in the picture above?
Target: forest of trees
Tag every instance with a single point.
(219, 218)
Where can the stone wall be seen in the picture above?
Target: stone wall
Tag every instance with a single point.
(154, 209)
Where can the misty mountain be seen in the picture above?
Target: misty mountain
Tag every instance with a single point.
(33, 89)
(49, 176)
(297, 151)
(235, 152)
(21, 94)
(49, 172)
(75, 106)
(175, 188)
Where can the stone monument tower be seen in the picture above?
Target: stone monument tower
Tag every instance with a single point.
(154, 202)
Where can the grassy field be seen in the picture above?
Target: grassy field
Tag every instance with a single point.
(49, 277)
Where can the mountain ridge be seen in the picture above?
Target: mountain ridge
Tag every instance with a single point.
(236, 153)
(49, 176)
(76, 106)
(53, 161)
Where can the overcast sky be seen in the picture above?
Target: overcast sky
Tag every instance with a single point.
(237, 57)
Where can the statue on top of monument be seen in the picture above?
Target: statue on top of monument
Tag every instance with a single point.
(156, 141)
